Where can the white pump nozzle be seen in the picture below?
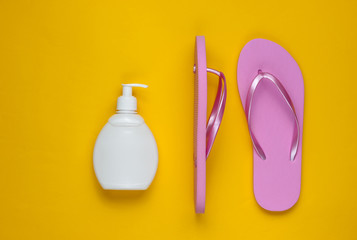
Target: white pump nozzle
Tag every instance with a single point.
(127, 102)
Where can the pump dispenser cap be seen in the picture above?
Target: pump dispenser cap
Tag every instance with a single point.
(127, 102)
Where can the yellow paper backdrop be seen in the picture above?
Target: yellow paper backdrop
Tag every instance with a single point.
(61, 68)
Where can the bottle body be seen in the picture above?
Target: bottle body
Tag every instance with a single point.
(125, 155)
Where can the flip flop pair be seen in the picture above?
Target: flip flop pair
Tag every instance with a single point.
(271, 89)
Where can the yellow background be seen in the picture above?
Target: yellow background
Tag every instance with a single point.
(61, 68)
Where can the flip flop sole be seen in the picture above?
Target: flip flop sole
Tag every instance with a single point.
(200, 116)
(277, 179)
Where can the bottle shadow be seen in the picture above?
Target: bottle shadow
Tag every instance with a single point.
(126, 197)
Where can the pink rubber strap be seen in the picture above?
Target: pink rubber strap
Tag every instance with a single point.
(216, 116)
(296, 135)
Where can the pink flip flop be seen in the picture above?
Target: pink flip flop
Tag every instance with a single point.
(204, 135)
(271, 89)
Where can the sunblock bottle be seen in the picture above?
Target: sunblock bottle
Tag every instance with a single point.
(125, 154)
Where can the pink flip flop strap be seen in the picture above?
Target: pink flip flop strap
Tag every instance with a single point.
(248, 105)
(216, 116)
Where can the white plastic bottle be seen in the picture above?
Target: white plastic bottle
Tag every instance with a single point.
(125, 154)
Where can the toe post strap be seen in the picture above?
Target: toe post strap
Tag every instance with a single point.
(248, 106)
(215, 119)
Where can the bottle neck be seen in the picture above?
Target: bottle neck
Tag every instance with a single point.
(126, 112)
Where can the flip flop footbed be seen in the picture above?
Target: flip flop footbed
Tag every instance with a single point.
(277, 179)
